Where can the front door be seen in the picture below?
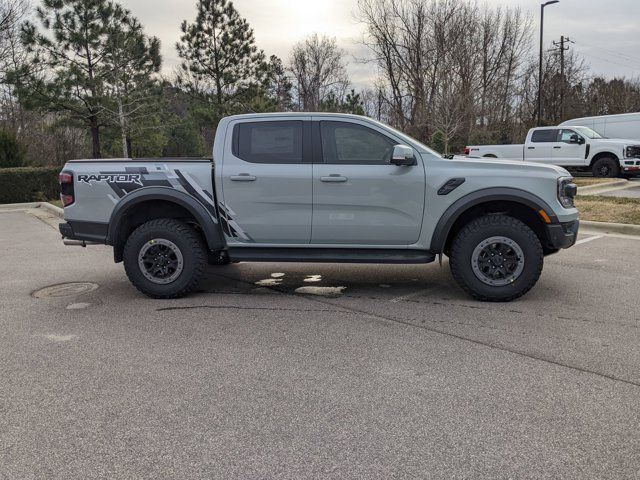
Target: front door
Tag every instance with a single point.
(358, 196)
(567, 153)
(266, 183)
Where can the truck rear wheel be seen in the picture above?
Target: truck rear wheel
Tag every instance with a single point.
(165, 258)
(496, 258)
(606, 167)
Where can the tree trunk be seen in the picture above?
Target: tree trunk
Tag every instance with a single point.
(126, 153)
(95, 136)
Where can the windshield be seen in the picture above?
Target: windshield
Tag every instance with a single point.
(419, 145)
(587, 132)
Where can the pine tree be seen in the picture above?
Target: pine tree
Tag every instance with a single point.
(131, 62)
(219, 53)
(277, 84)
(11, 152)
(353, 103)
(72, 49)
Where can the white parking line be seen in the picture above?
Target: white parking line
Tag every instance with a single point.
(588, 239)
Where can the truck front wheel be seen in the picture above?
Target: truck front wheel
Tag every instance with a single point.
(606, 167)
(165, 258)
(496, 258)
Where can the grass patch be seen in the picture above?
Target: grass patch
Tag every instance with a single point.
(586, 181)
(57, 203)
(608, 209)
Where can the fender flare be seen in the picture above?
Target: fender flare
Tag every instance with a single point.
(603, 153)
(457, 208)
(206, 218)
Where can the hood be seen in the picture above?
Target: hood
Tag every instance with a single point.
(512, 165)
(617, 141)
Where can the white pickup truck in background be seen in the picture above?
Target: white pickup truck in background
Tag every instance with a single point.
(571, 147)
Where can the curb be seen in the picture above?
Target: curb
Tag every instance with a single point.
(594, 189)
(606, 227)
(15, 206)
(23, 206)
(52, 209)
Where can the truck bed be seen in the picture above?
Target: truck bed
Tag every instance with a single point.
(143, 160)
(508, 152)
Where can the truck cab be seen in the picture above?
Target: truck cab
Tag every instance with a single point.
(319, 180)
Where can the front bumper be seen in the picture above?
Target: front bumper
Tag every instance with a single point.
(563, 235)
(630, 165)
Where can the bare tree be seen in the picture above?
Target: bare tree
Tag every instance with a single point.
(12, 12)
(318, 71)
(12, 57)
(426, 62)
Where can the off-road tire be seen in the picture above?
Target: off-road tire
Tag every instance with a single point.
(188, 241)
(472, 234)
(606, 167)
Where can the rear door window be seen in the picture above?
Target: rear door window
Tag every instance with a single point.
(268, 142)
(545, 136)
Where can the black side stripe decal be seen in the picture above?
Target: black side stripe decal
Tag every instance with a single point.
(191, 191)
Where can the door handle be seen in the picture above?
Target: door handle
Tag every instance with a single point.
(242, 177)
(531, 148)
(557, 147)
(333, 178)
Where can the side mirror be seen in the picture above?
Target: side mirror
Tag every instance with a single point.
(403, 156)
(575, 138)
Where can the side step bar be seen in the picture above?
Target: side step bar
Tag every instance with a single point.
(78, 243)
(329, 255)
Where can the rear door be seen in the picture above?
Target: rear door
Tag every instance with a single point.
(567, 153)
(358, 196)
(540, 146)
(266, 182)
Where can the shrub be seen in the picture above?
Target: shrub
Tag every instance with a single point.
(29, 184)
(11, 152)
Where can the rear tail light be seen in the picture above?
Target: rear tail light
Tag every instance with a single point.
(467, 150)
(66, 188)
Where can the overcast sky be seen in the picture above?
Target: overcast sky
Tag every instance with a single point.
(605, 31)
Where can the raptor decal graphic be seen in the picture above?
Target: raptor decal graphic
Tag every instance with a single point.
(116, 177)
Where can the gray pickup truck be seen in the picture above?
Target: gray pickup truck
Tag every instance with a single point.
(306, 187)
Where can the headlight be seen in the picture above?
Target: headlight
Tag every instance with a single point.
(567, 190)
(632, 151)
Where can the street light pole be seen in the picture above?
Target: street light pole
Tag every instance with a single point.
(550, 2)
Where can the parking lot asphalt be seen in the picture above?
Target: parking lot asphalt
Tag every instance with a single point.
(315, 371)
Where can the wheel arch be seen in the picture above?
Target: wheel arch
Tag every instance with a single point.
(149, 203)
(605, 154)
(520, 204)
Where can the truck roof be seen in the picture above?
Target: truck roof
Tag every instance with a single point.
(563, 125)
(299, 114)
